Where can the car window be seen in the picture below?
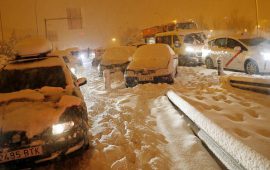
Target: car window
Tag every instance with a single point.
(231, 43)
(189, 39)
(221, 42)
(211, 43)
(34, 78)
(164, 40)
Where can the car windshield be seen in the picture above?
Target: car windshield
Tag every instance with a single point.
(188, 25)
(33, 78)
(194, 38)
(253, 41)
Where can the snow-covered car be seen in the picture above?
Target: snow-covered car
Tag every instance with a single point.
(33, 46)
(251, 55)
(116, 59)
(187, 44)
(153, 63)
(42, 112)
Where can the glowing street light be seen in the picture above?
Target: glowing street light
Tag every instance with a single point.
(175, 21)
(113, 39)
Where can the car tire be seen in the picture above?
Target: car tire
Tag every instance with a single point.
(209, 63)
(251, 67)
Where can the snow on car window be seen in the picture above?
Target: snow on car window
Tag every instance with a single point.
(33, 78)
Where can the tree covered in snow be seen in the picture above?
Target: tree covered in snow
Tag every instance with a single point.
(7, 47)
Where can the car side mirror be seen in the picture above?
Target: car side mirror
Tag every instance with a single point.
(237, 48)
(81, 81)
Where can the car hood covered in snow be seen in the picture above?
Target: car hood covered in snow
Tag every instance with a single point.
(154, 56)
(117, 55)
(34, 111)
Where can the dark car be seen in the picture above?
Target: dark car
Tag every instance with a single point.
(42, 112)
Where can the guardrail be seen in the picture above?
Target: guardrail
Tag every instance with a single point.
(232, 153)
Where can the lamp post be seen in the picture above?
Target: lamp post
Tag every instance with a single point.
(1, 25)
(257, 16)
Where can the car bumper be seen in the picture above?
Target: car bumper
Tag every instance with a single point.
(191, 60)
(52, 148)
(133, 81)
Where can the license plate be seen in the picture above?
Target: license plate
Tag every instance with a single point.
(20, 154)
(146, 78)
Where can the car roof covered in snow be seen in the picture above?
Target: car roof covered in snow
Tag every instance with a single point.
(151, 56)
(33, 46)
(34, 63)
(117, 55)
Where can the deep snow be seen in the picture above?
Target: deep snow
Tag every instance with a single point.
(137, 128)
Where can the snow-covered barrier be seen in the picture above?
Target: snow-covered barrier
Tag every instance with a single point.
(248, 82)
(245, 156)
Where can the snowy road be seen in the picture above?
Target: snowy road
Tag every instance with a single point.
(137, 128)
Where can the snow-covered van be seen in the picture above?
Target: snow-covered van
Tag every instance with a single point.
(152, 63)
(251, 55)
(116, 59)
(187, 44)
(42, 111)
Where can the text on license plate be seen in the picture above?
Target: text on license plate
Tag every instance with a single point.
(20, 154)
(146, 78)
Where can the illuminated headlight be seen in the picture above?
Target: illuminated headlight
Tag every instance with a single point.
(58, 129)
(266, 56)
(205, 52)
(73, 70)
(190, 50)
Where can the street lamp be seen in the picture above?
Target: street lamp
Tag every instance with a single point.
(1, 25)
(257, 17)
(113, 39)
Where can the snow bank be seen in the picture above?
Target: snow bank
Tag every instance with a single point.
(117, 55)
(246, 156)
(33, 46)
(184, 148)
(154, 56)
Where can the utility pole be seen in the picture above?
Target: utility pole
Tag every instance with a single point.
(257, 16)
(36, 16)
(1, 25)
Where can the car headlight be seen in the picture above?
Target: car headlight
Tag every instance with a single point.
(266, 56)
(190, 50)
(60, 128)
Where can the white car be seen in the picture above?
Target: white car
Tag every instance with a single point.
(251, 55)
(116, 59)
(187, 44)
(153, 63)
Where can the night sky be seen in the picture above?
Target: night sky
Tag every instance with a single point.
(104, 19)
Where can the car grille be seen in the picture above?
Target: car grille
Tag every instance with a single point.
(13, 139)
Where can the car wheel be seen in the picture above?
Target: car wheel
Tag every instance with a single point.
(251, 67)
(209, 63)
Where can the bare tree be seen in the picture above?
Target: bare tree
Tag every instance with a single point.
(238, 23)
(130, 36)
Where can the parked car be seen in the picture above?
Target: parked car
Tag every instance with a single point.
(187, 44)
(73, 62)
(116, 59)
(43, 114)
(153, 63)
(251, 55)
